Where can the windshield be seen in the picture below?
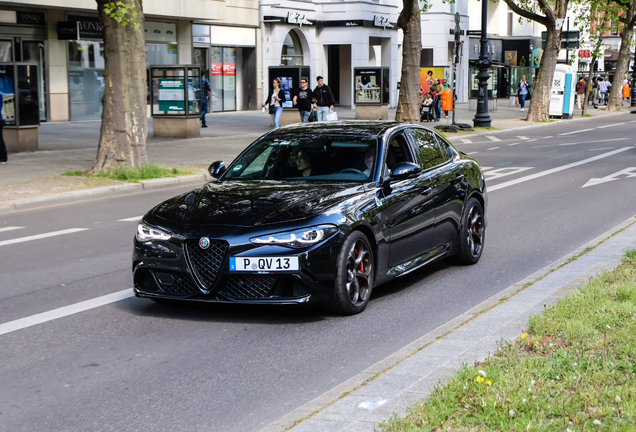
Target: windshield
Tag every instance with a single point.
(307, 158)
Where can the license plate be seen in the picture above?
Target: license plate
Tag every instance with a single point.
(268, 264)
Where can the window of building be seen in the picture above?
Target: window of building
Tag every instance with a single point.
(86, 78)
(6, 52)
(223, 78)
(292, 53)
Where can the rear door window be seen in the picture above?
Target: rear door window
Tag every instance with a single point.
(428, 151)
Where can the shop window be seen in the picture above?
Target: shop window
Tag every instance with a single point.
(6, 54)
(223, 78)
(161, 54)
(86, 79)
(292, 53)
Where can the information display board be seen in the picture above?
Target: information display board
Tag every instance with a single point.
(171, 86)
(289, 77)
(371, 86)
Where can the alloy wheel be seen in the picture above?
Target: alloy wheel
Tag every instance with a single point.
(359, 271)
(475, 231)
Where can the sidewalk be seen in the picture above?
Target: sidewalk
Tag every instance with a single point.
(72, 146)
(405, 378)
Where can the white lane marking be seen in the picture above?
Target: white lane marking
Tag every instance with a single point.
(492, 138)
(606, 126)
(523, 137)
(599, 149)
(466, 141)
(547, 137)
(471, 153)
(557, 169)
(575, 132)
(513, 144)
(532, 140)
(64, 311)
(11, 228)
(41, 236)
(628, 172)
(595, 141)
(493, 148)
(132, 219)
(486, 168)
(633, 121)
(502, 172)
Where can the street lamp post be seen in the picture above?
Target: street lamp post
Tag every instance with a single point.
(633, 91)
(482, 118)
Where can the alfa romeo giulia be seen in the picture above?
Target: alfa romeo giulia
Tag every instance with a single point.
(318, 212)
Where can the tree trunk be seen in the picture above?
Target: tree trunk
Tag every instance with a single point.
(616, 91)
(587, 86)
(124, 127)
(540, 103)
(408, 108)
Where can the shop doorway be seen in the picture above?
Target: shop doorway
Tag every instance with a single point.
(339, 73)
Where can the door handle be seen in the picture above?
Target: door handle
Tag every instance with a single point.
(426, 191)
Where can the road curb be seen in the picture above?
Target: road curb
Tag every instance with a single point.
(102, 192)
(332, 396)
(450, 137)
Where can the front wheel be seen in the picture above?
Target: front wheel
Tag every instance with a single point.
(354, 276)
(471, 239)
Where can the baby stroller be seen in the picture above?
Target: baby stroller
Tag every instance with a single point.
(427, 113)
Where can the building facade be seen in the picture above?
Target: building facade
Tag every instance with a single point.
(64, 39)
(331, 39)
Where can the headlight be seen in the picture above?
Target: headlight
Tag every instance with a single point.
(147, 233)
(299, 238)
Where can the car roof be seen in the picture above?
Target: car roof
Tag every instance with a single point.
(350, 127)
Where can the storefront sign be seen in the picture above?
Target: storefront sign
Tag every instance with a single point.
(32, 18)
(201, 39)
(160, 32)
(85, 28)
(229, 69)
(296, 18)
(380, 21)
(493, 49)
(585, 53)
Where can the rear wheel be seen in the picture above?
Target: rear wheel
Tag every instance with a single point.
(354, 276)
(471, 240)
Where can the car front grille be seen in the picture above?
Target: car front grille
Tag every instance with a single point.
(173, 283)
(206, 263)
(248, 287)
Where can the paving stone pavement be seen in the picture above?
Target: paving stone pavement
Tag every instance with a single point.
(407, 377)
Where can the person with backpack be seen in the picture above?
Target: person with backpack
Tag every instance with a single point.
(324, 99)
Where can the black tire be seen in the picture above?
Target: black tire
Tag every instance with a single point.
(354, 275)
(472, 235)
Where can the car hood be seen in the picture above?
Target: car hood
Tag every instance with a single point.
(250, 203)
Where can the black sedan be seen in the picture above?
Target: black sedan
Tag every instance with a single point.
(320, 213)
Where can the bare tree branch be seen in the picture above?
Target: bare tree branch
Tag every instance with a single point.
(526, 14)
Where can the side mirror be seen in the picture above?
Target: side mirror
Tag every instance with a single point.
(216, 169)
(405, 170)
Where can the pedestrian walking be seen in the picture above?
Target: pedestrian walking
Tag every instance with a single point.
(580, 92)
(604, 87)
(594, 90)
(205, 98)
(304, 100)
(324, 99)
(3, 147)
(439, 88)
(275, 101)
(523, 90)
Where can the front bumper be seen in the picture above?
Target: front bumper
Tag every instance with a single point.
(178, 269)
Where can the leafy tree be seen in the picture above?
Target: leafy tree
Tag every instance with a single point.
(551, 14)
(408, 108)
(626, 18)
(124, 128)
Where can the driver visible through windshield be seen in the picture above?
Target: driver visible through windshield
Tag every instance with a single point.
(307, 158)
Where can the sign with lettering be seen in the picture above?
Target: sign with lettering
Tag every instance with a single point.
(296, 18)
(33, 18)
(380, 21)
(84, 28)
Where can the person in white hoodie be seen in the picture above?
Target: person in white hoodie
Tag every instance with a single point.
(604, 86)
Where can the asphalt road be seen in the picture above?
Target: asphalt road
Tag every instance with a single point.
(137, 365)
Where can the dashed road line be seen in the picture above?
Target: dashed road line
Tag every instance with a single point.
(513, 144)
(523, 137)
(41, 236)
(492, 138)
(493, 148)
(131, 219)
(11, 228)
(466, 141)
(548, 137)
(532, 140)
(556, 169)
(606, 126)
(472, 153)
(65, 311)
(575, 132)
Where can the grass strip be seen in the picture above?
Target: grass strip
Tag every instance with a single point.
(574, 370)
(147, 171)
